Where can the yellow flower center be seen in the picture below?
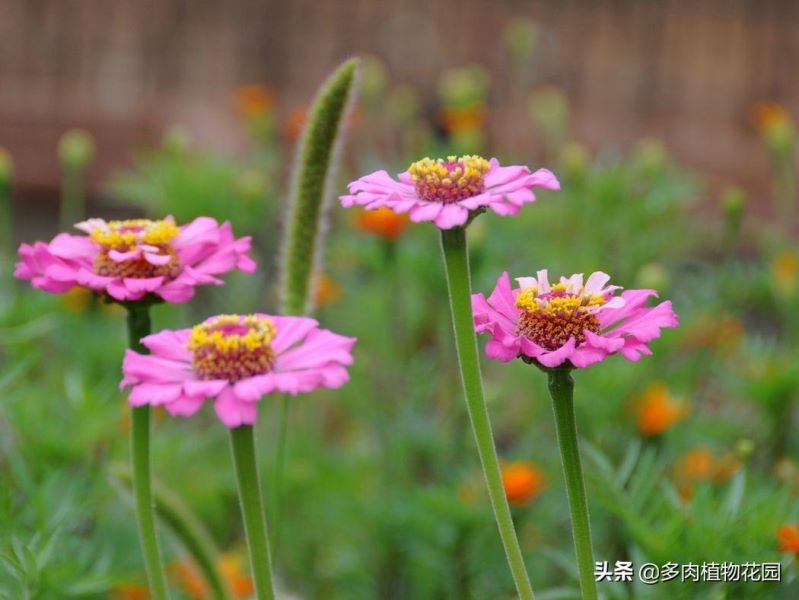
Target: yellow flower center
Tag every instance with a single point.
(124, 236)
(449, 180)
(232, 347)
(550, 319)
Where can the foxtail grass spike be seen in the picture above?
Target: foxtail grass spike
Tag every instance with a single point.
(312, 182)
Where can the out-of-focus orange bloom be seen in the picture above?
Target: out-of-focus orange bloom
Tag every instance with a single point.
(523, 481)
(658, 411)
(702, 465)
(456, 119)
(130, 591)
(722, 333)
(231, 566)
(292, 127)
(382, 222)
(785, 271)
(788, 539)
(253, 101)
(768, 116)
(77, 299)
(328, 291)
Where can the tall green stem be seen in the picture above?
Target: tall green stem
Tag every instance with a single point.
(139, 327)
(456, 260)
(561, 388)
(243, 446)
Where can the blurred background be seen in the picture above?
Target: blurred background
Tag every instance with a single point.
(670, 126)
(125, 70)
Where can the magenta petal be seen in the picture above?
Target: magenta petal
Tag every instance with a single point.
(290, 330)
(555, 358)
(205, 388)
(184, 406)
(170, 344)
(451, 215)
(234, 412)
(252, 389)
(154, 394)
(425, 211)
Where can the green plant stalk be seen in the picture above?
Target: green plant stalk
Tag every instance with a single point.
(315, 169)
(456, 261)
(187, 528)
(139, 327)
(312, 183)
(73, 197)
(243, 446)
(561, 388)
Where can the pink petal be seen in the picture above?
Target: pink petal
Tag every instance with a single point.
(234, 412)
(451, 215)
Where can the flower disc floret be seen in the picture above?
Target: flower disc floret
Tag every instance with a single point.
(232, 347)
(552, 318)
(450, 180)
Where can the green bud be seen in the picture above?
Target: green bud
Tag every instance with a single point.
(651, 155)
(733, 201)
(76, 149)
(653, 276)
(574, 159)
(744, 448)
(521, 38)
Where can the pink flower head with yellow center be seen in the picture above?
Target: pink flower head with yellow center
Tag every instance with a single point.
(235, 360)
(449, 191)
(128, 260)
(569, 323)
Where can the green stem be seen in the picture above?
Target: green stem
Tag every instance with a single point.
(456, 260)
(174, 512)
(243, 446)
(280, 463)
(561, 388)
(139, 327)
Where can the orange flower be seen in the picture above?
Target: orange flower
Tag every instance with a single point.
(455, 119)
(768, 116)
(328, 291)
(702, 465)
(523, 481)
(382, 222)
(788, 538)
(658, 411)
(231, 566)
(130, 591)
(292, 128)
(785, 272)
(253, 101)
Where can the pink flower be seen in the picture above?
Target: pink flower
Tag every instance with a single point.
(449, 191)
(127, 260)
(235, 360)
(570, 321)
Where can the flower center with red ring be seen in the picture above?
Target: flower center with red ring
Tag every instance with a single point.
(232, 347)
(551, 318)
(144, 235)
(449, 180)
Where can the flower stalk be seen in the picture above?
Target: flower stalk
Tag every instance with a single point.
(243, 447)
(139, 327)
(561, 388)
(456, 261)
